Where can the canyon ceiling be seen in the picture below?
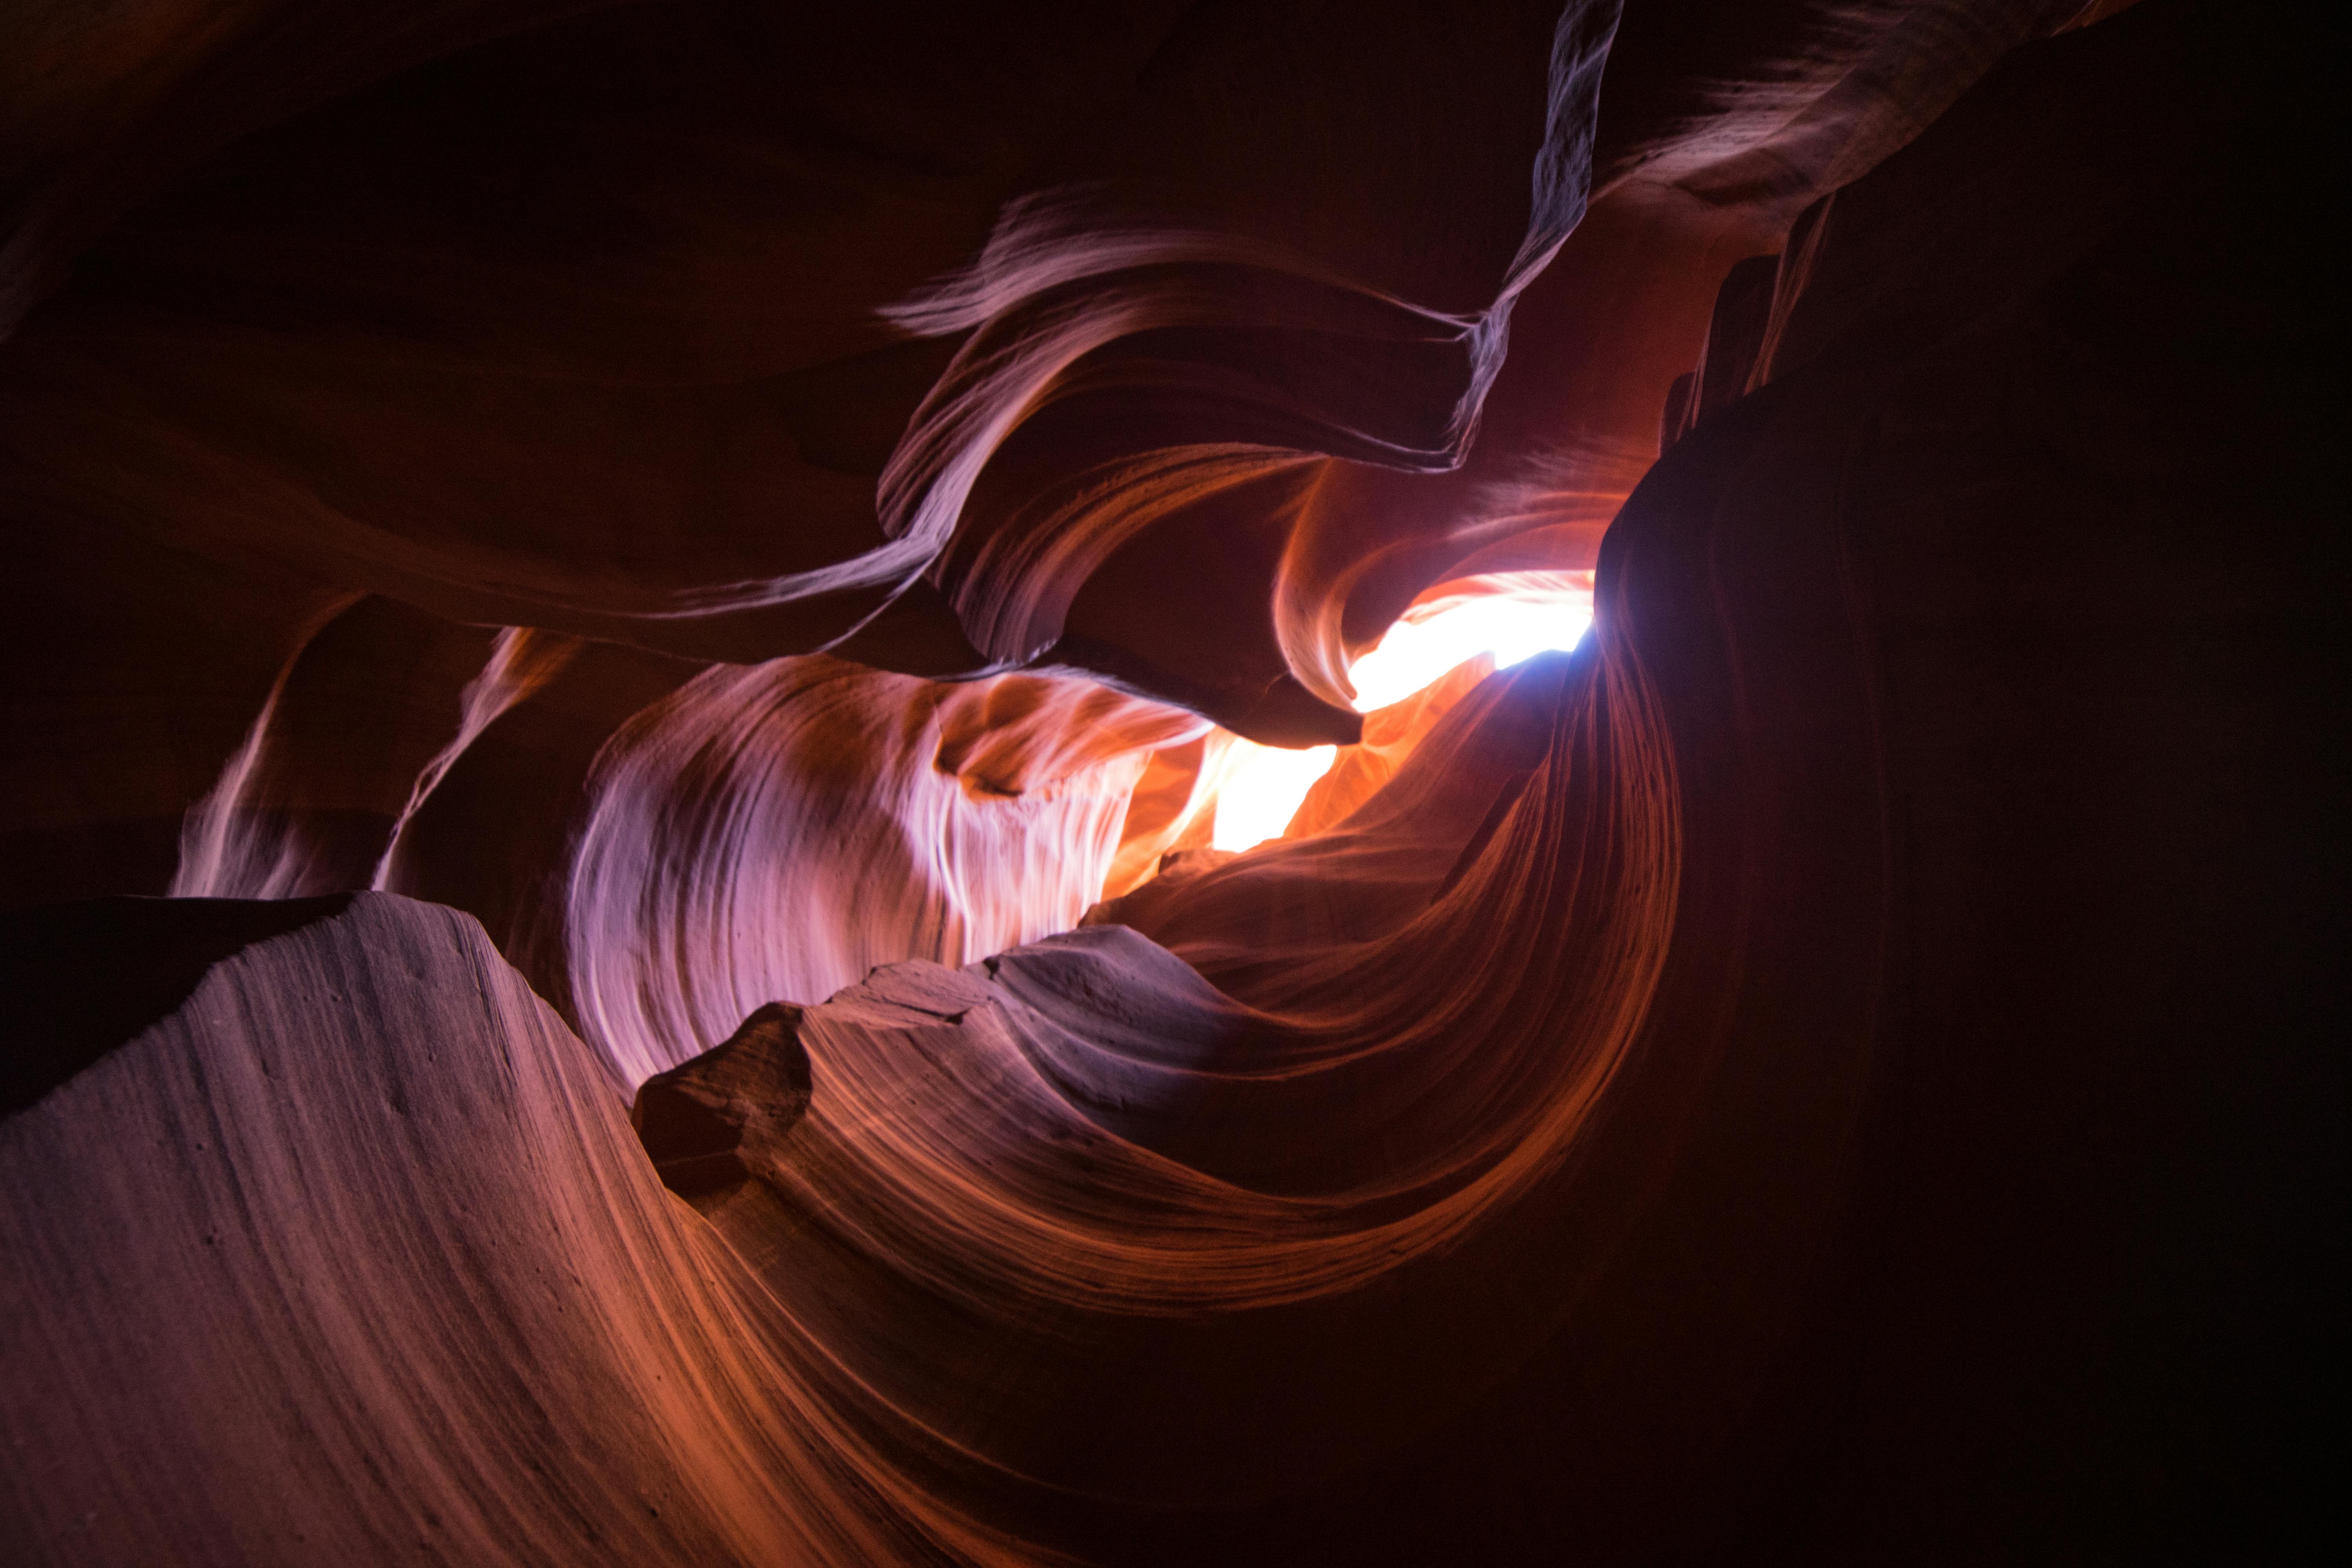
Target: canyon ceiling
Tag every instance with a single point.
(628, 626)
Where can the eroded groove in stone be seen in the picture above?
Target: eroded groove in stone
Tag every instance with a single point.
(577, 534)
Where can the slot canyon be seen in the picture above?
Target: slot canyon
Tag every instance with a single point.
(1203, 782)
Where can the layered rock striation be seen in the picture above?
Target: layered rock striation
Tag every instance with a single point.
(664, 589)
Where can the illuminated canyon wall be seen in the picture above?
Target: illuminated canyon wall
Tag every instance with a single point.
(637, 928)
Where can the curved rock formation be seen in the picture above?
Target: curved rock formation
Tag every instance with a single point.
(668, 590)
(777, 831)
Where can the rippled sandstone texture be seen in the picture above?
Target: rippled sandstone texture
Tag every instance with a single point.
(1844, 1067)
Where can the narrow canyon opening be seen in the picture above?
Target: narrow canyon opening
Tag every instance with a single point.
(1156, 784)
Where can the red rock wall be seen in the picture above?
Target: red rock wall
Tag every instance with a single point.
(1844, 1067)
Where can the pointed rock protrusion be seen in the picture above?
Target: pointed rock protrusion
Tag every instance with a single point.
(695, 1119)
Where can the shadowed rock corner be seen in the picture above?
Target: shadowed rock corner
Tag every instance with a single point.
(698, 1120)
